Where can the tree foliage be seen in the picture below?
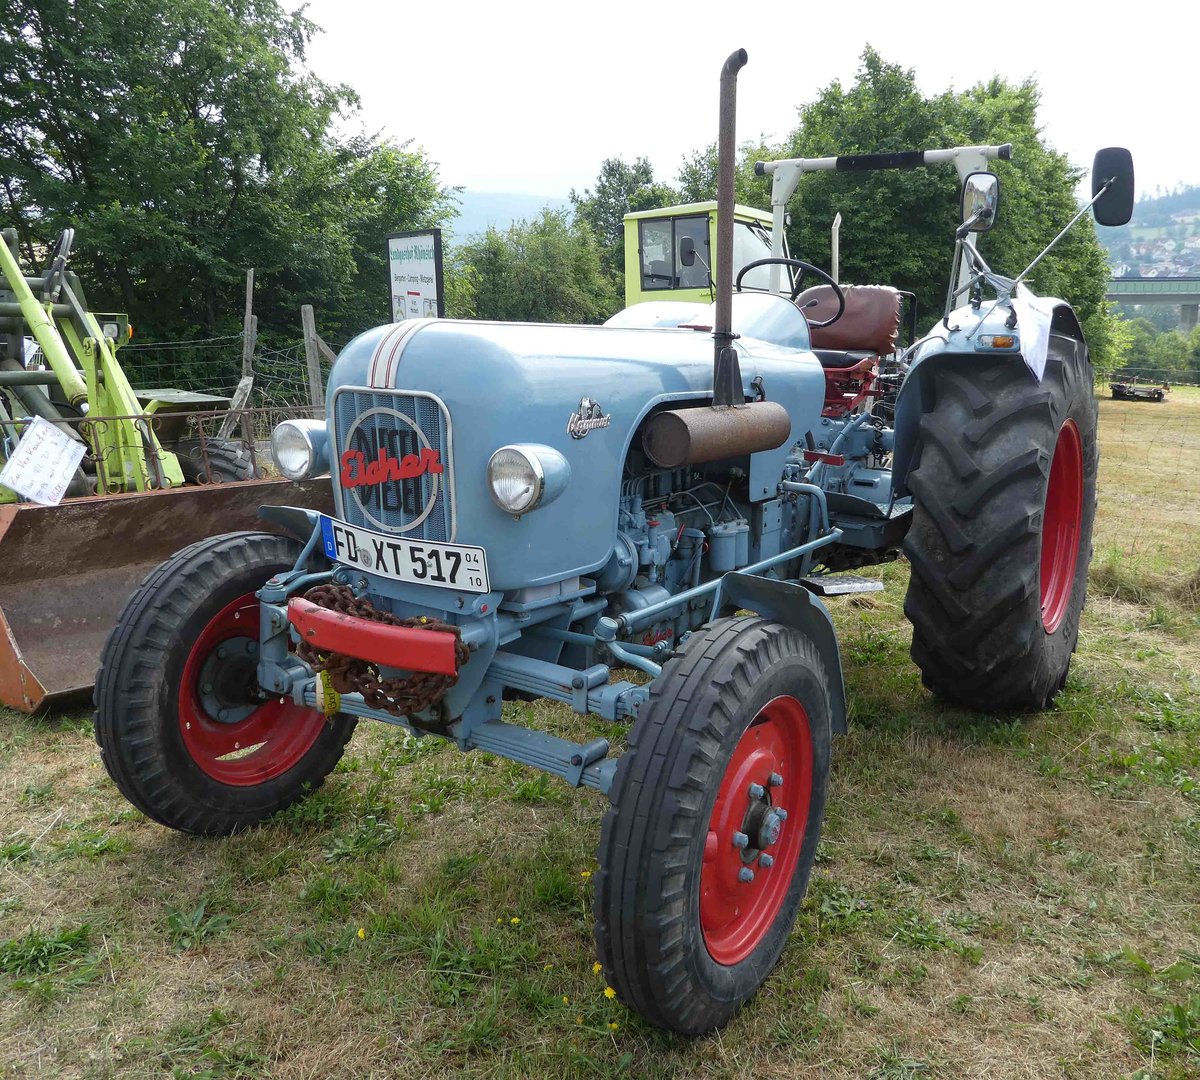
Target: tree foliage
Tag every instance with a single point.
(620, 189)
(185, 142)
(545, 270)
(897, 226)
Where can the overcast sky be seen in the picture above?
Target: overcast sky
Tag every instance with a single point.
(529, 96)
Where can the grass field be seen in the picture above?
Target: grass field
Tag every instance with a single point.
(991, 899)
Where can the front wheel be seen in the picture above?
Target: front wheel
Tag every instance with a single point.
(184, 729)
(716, 812)
(1004, 495)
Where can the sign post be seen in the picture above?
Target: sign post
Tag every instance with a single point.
(415, 275)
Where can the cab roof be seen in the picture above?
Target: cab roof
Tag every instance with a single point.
(761, 216)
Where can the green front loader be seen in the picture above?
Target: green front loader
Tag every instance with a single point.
(149, 479)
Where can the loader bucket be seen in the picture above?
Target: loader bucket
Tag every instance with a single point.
(67, 571)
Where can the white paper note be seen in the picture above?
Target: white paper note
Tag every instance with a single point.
(43, 463)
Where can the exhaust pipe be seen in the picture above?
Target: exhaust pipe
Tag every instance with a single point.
(731, 427)
(727, 380)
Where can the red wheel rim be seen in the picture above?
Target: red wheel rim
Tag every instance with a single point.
(774, 753)
(1062, 524)
(264, 744)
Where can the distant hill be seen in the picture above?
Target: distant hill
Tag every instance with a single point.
(1162, 240)
(478, 210)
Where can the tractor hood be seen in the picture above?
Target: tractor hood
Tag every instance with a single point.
(465, 389)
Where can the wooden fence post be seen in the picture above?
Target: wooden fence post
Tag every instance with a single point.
(246, 384)
(312, 358)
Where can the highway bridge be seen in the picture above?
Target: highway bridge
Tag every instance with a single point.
(1180, 292)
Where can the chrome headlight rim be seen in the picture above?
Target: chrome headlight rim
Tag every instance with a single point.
(313, 436)
(535, 466)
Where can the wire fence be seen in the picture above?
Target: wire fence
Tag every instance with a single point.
(214, 366)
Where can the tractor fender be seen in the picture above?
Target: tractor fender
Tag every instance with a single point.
(292, 519)
(793, 605)
(942, 347)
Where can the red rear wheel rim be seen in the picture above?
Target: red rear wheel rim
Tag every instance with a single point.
(1062, 524)
(275, 735)
(735, 914)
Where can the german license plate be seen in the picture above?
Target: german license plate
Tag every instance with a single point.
(422, 562)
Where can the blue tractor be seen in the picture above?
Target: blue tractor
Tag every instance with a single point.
(527, 511)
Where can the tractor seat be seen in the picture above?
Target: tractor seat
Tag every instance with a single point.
(870, 325)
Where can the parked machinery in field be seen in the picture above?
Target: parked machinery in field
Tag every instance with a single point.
(522, 509)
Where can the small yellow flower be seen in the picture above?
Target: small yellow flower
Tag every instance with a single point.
(548, 967)
(566, 1000)
(609, 993)
(362, 933)
(579, 1019)
(597, 967)
(613, 1025)
(585, 874)
(515, 921)
(499, 922)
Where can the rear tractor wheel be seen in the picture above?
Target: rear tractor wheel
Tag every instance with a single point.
(184, 729)
(1005, 495)
(716, 812)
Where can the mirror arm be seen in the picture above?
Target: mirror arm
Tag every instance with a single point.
(1066, 229)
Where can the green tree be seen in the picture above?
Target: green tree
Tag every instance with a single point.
(185, 141)
(620, 189)
(897, 225)
(545, 270)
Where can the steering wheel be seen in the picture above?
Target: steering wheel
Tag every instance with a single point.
(803, 268)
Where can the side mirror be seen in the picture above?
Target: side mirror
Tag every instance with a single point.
(980, 201)
(687, 251)
(1115, 206)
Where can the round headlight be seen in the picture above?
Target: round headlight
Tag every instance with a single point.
(516, 479)
(297, 447)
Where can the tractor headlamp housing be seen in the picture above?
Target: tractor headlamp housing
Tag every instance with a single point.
(300, 448)
(523, 476)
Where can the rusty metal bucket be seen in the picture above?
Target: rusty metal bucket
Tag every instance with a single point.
(67, 571)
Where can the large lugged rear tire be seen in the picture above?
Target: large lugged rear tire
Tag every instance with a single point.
(716, 812)
(1001, 538)
(183, 729)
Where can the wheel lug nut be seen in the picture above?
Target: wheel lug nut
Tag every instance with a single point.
(208, 687)
(781, 814)
(775, 780)
(745, 874)
(740, 840)
(765, 861)
(756, 791)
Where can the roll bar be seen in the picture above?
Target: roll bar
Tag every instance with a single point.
(786, 174)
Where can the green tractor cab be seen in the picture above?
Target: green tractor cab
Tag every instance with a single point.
(670, 252)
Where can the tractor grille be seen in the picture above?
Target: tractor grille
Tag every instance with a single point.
(395, 425)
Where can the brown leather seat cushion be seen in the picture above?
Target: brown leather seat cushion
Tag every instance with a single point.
(871, 319)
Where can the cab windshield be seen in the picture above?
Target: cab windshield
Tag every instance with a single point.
(659, 243)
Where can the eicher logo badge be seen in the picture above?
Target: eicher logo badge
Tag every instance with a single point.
(358, 472)
(588, 417)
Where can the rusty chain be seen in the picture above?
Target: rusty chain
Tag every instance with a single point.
(348, 674)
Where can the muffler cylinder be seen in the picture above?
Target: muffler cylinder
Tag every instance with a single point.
(693, 436)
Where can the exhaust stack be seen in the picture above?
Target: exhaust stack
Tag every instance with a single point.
(727, 378)
(731, 427)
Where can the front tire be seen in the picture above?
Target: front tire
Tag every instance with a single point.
(706, 851)
(1004, 498)
(183, 729)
